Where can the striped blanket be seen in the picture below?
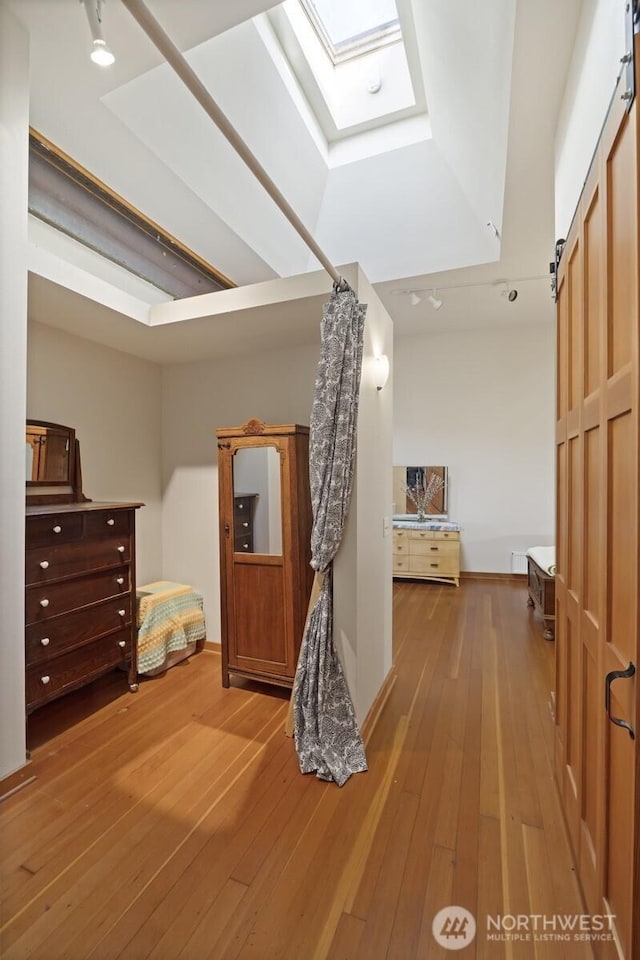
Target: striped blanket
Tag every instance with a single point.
(170, 618)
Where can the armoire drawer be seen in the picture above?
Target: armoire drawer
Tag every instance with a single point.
(48, 679)
(54, 529)
(51, 562)
(59, 634)
(52, 599)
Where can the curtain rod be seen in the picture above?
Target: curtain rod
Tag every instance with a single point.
(175, 59)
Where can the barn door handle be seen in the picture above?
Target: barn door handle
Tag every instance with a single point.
(610, 677)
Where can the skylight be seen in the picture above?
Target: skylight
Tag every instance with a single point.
(349, 29)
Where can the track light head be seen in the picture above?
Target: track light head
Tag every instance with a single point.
(414, 299)
(100, 52)
(435, 302)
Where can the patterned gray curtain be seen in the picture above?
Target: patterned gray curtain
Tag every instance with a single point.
(325, 728)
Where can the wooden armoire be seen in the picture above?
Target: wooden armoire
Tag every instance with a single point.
(265, 552)
(597, 712)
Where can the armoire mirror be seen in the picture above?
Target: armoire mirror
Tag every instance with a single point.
(419, 477)
(257, 492)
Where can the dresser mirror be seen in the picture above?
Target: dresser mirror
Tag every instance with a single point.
(410, 485)
(52, 463)
(258, 500)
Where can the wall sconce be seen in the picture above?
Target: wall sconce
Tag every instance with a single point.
(381, 370)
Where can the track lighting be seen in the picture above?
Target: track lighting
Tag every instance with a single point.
(100, 52)
(435, 301)
(414, 299)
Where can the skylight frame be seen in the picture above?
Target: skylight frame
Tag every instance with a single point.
(357, 46)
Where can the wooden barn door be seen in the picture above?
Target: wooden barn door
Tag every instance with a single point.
(597, 533)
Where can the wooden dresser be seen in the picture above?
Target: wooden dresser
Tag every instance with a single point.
(80, 596)
(427, 554)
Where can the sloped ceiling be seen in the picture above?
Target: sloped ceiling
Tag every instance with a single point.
(414, 216)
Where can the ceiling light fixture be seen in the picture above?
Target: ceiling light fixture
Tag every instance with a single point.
(510, 294)
(435, 301)
(414, 299)
(100, 52)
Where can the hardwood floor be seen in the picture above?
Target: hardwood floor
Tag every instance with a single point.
(173, 824)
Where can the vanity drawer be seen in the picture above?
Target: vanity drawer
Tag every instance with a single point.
(434, 535)
(445, 566)
(437, 548)
(58, 634)
(242, 506)
(54, 528)
(400, 564)
(51, 599)
(100, 522)
(51, 562)
(46, 680)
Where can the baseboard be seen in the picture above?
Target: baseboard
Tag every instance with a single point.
(16, 781)
(470, 575)
(378, 704)
(211, 646)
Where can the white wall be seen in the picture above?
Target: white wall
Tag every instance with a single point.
(595, 66)
(113, 402)
(362, 581)
(197, 399)
(482, 403)
(14, 122)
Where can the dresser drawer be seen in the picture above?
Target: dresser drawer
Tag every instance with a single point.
(100, 522)
(54, 528)
(445, 566)
(51, 599)
(242, 526)
(51, 562)
(242, 506)
(243, 544)
(400, 564)
(437, 548)
(46, 680)
(58, 634)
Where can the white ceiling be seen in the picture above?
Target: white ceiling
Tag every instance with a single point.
(414, 216)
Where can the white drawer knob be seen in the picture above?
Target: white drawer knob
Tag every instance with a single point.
(45, 641)
(44, 603)
(57, 529)
(110, 522)
(45, 680)
(241, 506)
(122, 613)
(246, 523)
(122, 643)
(121, 549)
(44, 564)
(245, 546)
(120, 580)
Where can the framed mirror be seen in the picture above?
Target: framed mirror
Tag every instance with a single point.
(52, 463)
(420, 491)
(257, 501)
